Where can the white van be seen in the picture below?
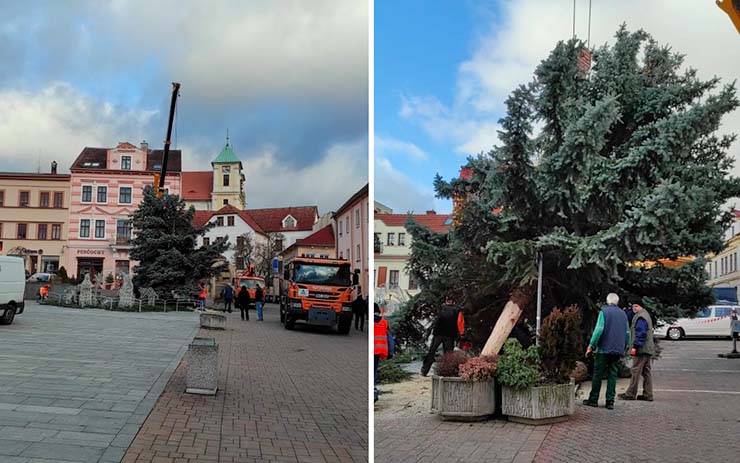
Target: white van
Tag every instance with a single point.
(715, 320)
(12, 287)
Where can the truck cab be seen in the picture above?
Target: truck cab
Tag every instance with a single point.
(318, 292)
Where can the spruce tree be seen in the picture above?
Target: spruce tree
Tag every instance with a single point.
(625, 166)
(165, 244)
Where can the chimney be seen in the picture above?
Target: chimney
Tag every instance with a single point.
(144, 146)
(53, 167)
(432, 212)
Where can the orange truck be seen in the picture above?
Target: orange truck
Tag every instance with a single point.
(247, 278)
(318, 292)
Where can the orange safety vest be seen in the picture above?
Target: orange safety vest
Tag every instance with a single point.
(203, 294)
(381, 338)
(44, 291)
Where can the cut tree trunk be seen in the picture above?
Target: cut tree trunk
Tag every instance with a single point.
(512, 311)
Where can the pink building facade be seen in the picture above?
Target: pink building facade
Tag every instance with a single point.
(351, 227)
(107, 186)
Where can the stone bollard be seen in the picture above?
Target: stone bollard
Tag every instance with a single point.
(213, 320)
(202, 367)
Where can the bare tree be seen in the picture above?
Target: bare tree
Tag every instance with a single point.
(244, 251)
(265, 252)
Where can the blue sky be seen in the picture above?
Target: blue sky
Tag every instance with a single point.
(444, 68)
(287, 78)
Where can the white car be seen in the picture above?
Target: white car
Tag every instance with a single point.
(40, 277)
(715, 320)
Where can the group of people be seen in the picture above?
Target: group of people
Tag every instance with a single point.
(617, 333)
(242, 300)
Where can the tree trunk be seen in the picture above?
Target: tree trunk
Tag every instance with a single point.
(520, 297)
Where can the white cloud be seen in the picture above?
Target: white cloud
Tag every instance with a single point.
(328, 183)
(391, 146)
(56, 122)
(398, 191)
(507, 54)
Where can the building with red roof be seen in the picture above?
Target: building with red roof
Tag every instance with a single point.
(392, 246)
(318, 244)
(352, 221)
(223, 185)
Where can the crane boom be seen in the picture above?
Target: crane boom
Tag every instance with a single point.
(732, 8)
(160, 177)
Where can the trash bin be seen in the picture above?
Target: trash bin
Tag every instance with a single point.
(202, 367)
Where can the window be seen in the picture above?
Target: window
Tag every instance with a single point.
(58, 200)
(124, 195)
(358, 253)
(391, 239)
(357, 218)
(219, 221)
(44, 199)
(100, 229)
(230, 221)
(102, 194)
(402, 239)
(85, 228)
(22, 231)
(715, 269)
(722, 311)
(41, 232)
(122, 267)
(393, 281)
(226, 202)
(56, 231)
(340, 228)
(239, 262)
(704, 313)
(125, 162)
(226, 179)
(346, 225)
(226, 175)
(413, 285)
(289, 222)
(123, 231)
(378, 242)
(23, 198)
(86, 194)
(2, 198)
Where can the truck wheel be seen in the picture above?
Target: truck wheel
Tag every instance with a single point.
(289, 322)
(344, 326)
(9, 315)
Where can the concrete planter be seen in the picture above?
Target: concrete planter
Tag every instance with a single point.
(539, 405)
(457, 400)
(213, 320)
(202, 367)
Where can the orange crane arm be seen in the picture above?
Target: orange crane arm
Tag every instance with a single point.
(732, 8)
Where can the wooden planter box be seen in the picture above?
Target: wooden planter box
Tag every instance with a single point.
(457, 400)
(539, 405)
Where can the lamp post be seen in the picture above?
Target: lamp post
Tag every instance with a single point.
(539, 299)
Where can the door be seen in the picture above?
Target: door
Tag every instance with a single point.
(699, 325)
(721, 324)
(89, 265)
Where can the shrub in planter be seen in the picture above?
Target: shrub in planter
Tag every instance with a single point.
(536, 383)
(479, 368)
(449, 364)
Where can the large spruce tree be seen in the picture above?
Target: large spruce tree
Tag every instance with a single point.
(166, 246)
(594, 171)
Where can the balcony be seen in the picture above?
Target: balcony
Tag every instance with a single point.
(122, 242)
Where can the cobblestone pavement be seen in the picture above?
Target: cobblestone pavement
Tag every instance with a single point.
(695, 418)
(75, 385)
(284, 396)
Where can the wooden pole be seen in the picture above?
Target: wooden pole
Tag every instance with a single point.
(512, 311)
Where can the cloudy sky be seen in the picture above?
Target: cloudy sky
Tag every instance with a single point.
(444, 68)
(287, 78)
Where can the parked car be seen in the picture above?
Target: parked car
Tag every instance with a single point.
(40, 277)
(12, 288)
(715, 320)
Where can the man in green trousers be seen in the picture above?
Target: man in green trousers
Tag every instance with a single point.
(609, 342)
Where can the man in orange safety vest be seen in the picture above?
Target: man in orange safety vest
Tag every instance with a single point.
(384, 345)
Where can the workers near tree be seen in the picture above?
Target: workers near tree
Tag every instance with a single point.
(609, 342)
(448, 327)
(384, 345)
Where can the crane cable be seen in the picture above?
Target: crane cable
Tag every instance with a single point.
(588, 39)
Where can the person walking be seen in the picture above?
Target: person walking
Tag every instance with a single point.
(258, 297)
(202, 295)
(609, 342)
(448, 326)
(642, 352)
(384, 345)
(358, 309)
(242, 302)
(228, 295)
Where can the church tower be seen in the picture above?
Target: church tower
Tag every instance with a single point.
(228, 180)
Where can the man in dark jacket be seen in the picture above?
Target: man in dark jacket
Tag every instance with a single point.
(609, 342)
(242, 302)
(643, 351)
(258, 298)
(358, 310)
(448, 326)
(228, 295)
